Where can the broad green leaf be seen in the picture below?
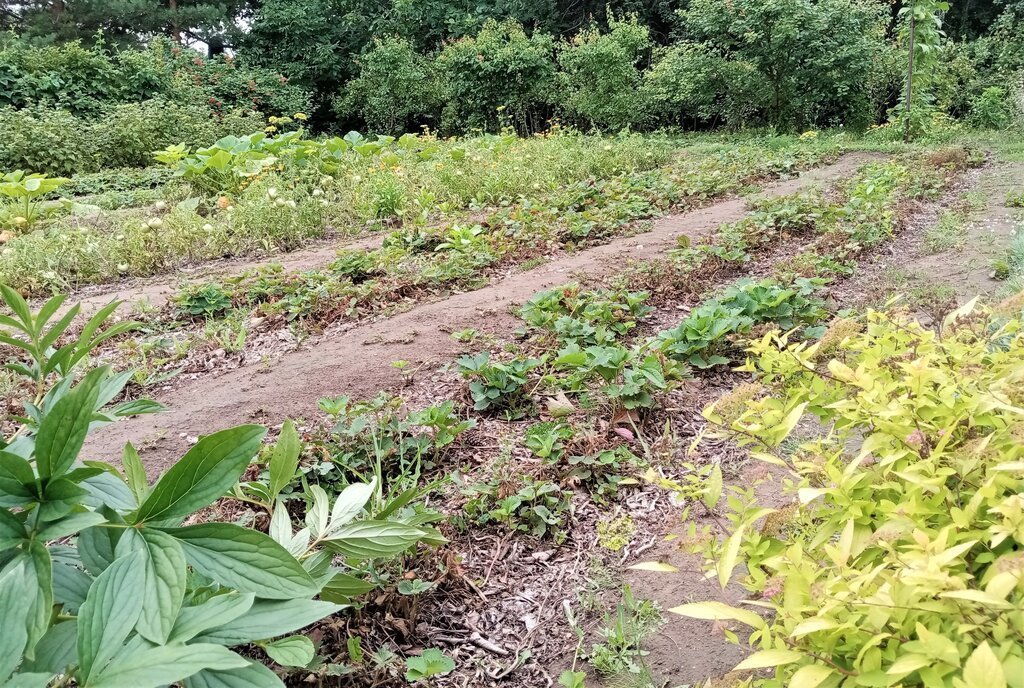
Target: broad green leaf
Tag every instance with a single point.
(267, 619)
(24, 680)
(70, 586)
(713, 490)
(64, 427)
(813, 625)
(981, 597)
(769, 658)
(281, 526)
(318, 513)
(244, 559)
(216, 611)
(432, 662)
(16, 594)
(109, 613)
(730, 553)
(41, 595)
(343, 587)
(658, 566)
(135, 473)
(205, 473)
(350, 503)
(56, 650)
(284, 461)
(109, 490)
(151, 667)
(938, 646)
(254, 675)
(96, 547)
(718, 611)
(17, 480)
(293, 651)
(12, 531)
(983, 669)
(810, 676)
(69, 525)
(782, 430)
(909, 663)
(18, 305)
(166, 576)
(370, 539)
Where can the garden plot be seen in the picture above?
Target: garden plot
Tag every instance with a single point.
(222, 323)
(578, 392)
(358, 361)
(253, 195)
(519, 581)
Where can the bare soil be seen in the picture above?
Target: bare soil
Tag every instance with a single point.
(933, 282)
(356, 362)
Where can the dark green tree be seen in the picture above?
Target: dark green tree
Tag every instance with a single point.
(213, 23)
(814, 56)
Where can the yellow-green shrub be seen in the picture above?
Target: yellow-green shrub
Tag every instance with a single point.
(900, 561)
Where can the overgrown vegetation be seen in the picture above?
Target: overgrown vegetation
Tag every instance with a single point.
(462, 68)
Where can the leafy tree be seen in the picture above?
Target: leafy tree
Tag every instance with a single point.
(88, 80)
(690, 84)
(602, 74)
(498, 77)
(311, 42)
(814, 55)
(127, 22)
(395, 87)
(921, 34)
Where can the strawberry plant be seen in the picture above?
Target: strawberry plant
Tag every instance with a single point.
(547, 440)
(205, 300)
(586, 316)
(702, 338)
(496, 385)
(538, 507)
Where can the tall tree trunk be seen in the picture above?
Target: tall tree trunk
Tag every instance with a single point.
(172, 5)
(215, 46)
(57, 11)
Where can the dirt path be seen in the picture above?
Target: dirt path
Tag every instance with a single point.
(926, 278)
(155, 291)
(357, 362)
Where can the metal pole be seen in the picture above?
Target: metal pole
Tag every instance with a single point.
(910, 79)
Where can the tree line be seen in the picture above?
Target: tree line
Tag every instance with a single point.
(460, 66)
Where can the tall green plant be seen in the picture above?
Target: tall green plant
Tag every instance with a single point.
(102, 584)
(921, 32)
(26, 193)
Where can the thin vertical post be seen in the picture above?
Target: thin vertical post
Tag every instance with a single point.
(910, 79)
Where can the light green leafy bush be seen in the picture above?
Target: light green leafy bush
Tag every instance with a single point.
(899, 562)
(59, 142)
(498, 77)
(395, 88)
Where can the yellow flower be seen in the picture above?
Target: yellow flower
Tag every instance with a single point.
(301, 116)
(270, 129)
